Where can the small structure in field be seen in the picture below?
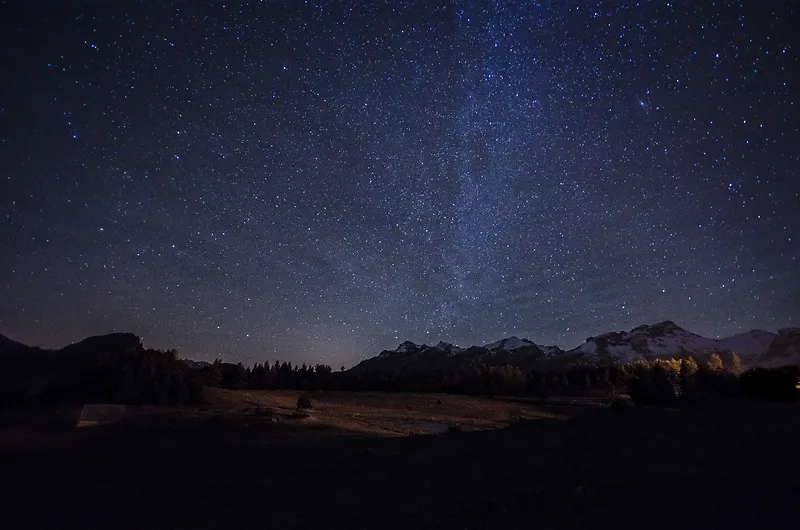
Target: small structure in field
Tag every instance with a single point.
(93, 415)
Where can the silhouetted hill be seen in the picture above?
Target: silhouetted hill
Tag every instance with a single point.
(196, 365)
(113, 343)
(105, 368)
(9, 346)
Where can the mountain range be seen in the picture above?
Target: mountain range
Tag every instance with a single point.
(666, 339)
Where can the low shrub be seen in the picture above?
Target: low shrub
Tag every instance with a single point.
(621, 405)
(304, 403)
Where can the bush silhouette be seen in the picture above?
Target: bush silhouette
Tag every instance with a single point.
(304, 403)
(621, 405)
(263, 412)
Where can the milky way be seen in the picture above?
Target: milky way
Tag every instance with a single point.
(319, 182)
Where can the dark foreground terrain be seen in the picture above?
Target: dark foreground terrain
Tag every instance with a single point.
(728, 466)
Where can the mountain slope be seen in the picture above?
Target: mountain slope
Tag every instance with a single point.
(11, 346)
(664, 339)
(406, 359)
(748, 345)
(785, 349)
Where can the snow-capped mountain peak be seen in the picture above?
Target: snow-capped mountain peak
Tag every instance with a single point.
(667, 339)
(664, 339)
(412, 347)
(551, 351)
(509, 343)
(408, 346)
(447, 347)
(404, 347)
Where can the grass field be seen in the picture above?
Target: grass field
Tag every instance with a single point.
(370, 460)
(388, 414)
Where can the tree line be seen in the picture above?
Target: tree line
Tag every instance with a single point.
(266, 376)
(646, 381)
(137, 375)
(655, 382)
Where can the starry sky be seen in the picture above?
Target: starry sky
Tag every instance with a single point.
(317, 181)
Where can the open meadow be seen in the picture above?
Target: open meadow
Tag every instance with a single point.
(250, 459)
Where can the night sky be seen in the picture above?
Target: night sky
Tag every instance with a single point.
(323, 181)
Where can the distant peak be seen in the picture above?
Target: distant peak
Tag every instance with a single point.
(664, 326)
(406, 346)
(509, 343)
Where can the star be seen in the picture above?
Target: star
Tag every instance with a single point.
(320, 183)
